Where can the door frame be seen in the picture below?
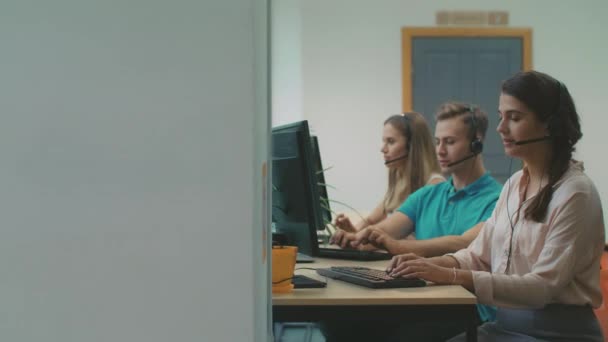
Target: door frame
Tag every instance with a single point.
(409, 33)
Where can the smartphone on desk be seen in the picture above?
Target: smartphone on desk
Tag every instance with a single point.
(304, 282)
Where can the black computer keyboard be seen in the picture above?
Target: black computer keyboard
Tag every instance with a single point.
(368, 277)
(353, 254)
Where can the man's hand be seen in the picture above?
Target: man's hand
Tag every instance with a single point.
(342, 238)
(369, 238)
(374, 236)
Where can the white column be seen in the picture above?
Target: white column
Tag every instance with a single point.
(132, 140)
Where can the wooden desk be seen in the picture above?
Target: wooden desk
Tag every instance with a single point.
(345, 300)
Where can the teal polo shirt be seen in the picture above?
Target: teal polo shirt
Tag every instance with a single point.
(439, 210)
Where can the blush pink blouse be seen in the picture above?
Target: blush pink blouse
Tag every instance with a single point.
(554, 261)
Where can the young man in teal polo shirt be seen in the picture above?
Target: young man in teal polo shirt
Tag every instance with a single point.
(445, 217)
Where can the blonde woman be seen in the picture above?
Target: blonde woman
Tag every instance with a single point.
(409, 155)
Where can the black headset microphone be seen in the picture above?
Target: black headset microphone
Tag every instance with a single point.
(519, 143)
(473, 155)
(530, 141)
(476, 145)
(396, 159)
(552, 119)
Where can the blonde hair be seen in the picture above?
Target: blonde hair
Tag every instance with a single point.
(414, 171)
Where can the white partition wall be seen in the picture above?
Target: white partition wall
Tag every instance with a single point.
(133, 137)
(286, 56)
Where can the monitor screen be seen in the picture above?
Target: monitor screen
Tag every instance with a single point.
(321, 185)
(296, 210)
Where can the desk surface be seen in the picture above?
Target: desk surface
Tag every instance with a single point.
(341, 293)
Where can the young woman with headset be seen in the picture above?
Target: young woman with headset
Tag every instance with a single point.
(538, 256)
(409, 155)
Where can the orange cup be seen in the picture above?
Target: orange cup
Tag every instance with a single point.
(283, 265)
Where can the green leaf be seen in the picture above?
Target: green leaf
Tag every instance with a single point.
(325, 205)
(327, 185)
(325, 169)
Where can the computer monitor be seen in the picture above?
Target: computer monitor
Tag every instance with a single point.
(296, 211)
(321, 185)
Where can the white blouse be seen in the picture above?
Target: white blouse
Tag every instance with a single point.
(435, 176)
(555, 261)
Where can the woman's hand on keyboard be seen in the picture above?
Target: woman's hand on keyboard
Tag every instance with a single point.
(344, 223)
(398, 260)
(412, 266)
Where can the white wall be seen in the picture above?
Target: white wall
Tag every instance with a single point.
(286, 55)
(132, 140)
(351, 76)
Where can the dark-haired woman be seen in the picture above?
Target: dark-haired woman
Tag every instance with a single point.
(537, 258)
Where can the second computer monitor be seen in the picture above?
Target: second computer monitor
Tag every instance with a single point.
(321, 185)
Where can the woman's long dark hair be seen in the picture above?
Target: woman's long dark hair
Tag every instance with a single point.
(551, 102)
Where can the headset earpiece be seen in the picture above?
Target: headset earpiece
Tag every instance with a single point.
(476, 146)
(408, 131)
